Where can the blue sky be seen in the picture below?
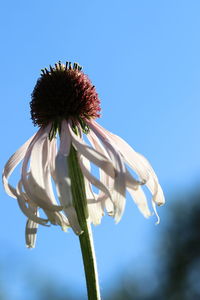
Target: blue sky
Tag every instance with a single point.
(144, 59)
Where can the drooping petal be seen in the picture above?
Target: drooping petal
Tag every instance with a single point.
(40, 184)
(52, 157)
(131, 182)
(56, 218)
(140, 165)
(33, 180)
(106, 201)
(63, 186)
(96, 144)
(25, 170)
(159, 198)
(61, 219)
(22, 201)
(153, 185)
(94, 207)
(155, 211)
(46, 172)
(37, 194)
(120, 171)
(85, 167)
(38, 161)
(91, 154)
(31, 233)
(65, 139)
(129, 154)
(12, 163)
(152, 181)
(140, 200)
(108, 181)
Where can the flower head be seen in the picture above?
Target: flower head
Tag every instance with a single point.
(62, 93)
(64, 105)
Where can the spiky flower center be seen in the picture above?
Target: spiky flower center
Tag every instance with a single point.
(63, 92)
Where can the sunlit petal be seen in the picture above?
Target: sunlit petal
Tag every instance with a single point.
(63, 185)
(120, 178)
(91, 154)
(12, 163)
(24, 206)
(129, 154)
(140, 200)
(94, 206)
(85, 167)
(31, 233)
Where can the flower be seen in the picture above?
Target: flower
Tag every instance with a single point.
(64, 105)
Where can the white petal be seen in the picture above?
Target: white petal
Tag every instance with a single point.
(96, 144)
(153, 184)
(120, 178)
(65, 139)
(159, 198)
(46, 169)
(57, 218)
(63, 186)
(31, 233)
(37, 185)
(85, 167)
(131, 182)
(109, 206)
(25, 170)
(39, 161)
(53, 154)
(108, 181)
(94, 207)
(151, 179)
(119, 192)
(139, 164)
(27, 210)
(12, 163)
(129, 154)
(140, 200)
(155, 211)
(91, 154)
(107, 202)
(38, 195)
(61, 219)
(54, 217)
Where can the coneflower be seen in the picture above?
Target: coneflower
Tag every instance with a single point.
(65, 105)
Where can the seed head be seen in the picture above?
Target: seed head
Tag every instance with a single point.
(63, 92)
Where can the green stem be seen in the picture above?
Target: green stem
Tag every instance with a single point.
(89, 260)
(86, 240)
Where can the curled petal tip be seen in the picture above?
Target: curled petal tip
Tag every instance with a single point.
(157, 222)
(147, 215)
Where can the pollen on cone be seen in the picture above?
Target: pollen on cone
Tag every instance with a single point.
(63, 92)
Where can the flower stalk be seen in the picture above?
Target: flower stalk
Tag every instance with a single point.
(86, 239)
